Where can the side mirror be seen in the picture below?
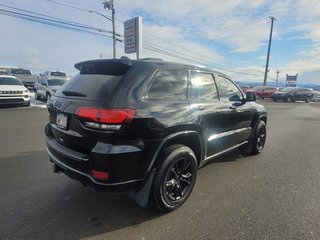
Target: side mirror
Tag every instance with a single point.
(251, 97)
(44, 84)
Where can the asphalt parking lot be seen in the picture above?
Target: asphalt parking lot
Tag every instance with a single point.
(273, 195)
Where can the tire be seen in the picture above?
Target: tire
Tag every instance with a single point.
(174, 178)
(48, 96)
(308, 100)
(289, 99)
(274, 99)
(259, 138)
(36, 96)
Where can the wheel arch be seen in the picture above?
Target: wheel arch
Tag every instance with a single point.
(189, 139)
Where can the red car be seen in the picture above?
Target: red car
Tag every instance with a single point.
(263, 91)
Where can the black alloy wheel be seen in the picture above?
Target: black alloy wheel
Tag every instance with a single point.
(48, 96)
(175, 177)
(36, 96)
(259, 140)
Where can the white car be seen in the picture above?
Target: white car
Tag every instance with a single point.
(13, 92)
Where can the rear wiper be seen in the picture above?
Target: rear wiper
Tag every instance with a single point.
(70, 93)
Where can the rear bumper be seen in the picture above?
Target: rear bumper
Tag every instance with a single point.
(88, 180)
(127, 170)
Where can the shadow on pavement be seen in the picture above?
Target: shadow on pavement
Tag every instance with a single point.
(38, 204)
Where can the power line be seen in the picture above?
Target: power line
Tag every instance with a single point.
(197, 55)
(51, 22)
(45, 19)
(43, 15)
(150, 47)
(70, 6)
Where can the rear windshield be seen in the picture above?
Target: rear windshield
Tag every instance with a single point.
(9, 81)
(56, 82)
(89, 86)
(58, 74)
(20, 71)
(96, 81)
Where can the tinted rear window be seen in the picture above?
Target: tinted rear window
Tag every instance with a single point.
(169, 85)
(93, 86)
(20, 71)
(56, 82)
(96, 81)
(58, 74)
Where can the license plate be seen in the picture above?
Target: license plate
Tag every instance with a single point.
(62, 121)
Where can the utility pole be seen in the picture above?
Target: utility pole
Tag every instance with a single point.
(110, 5)
(268, 55)
(277, 78)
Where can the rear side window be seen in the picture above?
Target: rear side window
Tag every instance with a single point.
(203, 86)
(58, 74)
(96, 81)
(20, 71)
(227, 90)
(169, 85)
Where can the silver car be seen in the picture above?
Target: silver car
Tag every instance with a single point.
(44, 88)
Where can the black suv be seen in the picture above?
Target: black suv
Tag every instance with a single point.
(146, 126)
(292, 94)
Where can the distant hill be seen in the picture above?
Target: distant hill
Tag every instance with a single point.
(281, 85)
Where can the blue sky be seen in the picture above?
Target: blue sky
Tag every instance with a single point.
(230, 36)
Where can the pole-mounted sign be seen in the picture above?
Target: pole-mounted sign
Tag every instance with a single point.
(133, 36)
(291, 81)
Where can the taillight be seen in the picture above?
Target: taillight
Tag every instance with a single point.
(100, 175)
(105, 119)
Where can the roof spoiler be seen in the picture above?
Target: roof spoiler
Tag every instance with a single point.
(124, 61)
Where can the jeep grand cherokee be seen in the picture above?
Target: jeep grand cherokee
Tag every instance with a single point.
(146, 126)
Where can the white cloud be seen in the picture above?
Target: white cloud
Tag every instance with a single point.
(207, 31)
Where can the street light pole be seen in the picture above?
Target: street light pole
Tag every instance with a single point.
(268, 55)
(110, 5)
(277, 78)
(113, 31)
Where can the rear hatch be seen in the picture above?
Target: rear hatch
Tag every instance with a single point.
(81, 112)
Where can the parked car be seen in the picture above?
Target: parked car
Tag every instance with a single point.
(44, 88)
(146, 126)
(24, 75)
(291, 94)
(263, 91)
(54, 75)
(316, 96)
(12, 91)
